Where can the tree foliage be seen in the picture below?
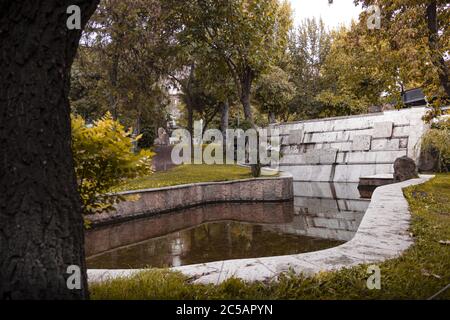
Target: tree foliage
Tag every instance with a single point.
(214, 52)
(358, 73)
(121, 63)
(309, 46)
(274, 92)
(248, 36)
(104, 158)
(418, 35)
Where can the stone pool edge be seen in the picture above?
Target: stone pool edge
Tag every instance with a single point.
(382, 235)
(166, 199)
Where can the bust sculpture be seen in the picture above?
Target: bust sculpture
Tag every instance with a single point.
(163, 138)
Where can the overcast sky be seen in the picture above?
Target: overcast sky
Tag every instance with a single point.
(340, 12)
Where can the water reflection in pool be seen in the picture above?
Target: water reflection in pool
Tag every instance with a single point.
(322, 215)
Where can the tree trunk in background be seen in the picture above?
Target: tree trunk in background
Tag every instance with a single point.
(113, 76)
(190, 120)
(246, 89)
(224, 119)
(137, 131)
(41, 224)
(224, 116)
(272, 117)
(437, 58)
(190, 104)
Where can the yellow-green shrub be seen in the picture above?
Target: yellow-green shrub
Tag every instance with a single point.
(104, 157)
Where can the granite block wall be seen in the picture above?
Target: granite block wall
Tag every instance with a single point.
(344, 149)
(161, 200)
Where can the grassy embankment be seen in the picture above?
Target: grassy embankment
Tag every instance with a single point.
(187, 174)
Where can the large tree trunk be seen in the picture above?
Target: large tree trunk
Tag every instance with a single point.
(41, 225)
(437, 57)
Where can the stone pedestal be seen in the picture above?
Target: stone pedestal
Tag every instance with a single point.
(367, 185)
(162, 161)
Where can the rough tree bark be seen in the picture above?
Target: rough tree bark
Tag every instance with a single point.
(41, 226)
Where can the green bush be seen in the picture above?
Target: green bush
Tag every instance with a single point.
(104, 158)
(148, 136)
(437, 141)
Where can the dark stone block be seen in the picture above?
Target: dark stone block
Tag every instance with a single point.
(429, 160)
(404, 169)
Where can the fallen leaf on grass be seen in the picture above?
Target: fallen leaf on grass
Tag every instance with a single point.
(426, 273)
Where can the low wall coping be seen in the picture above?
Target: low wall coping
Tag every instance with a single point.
(282, 175)
(162, 200)
(374, 114)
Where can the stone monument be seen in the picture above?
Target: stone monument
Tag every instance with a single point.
(404, 169)
(163, 138)
(162, 160)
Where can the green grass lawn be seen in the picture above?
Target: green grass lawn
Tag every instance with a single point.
(421, 272)
(187, 174)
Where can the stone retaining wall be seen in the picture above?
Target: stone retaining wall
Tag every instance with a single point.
(346, 148)
(155, 201)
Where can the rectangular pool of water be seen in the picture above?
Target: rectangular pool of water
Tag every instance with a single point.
(322, 216)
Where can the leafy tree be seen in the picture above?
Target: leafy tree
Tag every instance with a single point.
(103, 159)
(417, 31)
(87, 97)
(274, 92)
(357, 73)
(210, 91)
(309, 46)
(205, 84)
(214, 78)
(247, 35)
(121, 63)
(338, 73)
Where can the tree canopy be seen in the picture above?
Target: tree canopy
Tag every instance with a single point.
(247, 55)
(417, 33)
